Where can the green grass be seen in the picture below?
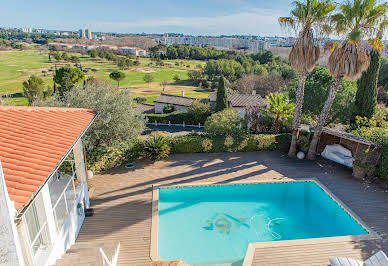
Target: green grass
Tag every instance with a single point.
(17, 66)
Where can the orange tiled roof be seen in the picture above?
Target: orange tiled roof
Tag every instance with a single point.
(33, 140)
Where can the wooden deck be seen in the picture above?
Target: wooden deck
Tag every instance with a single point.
(303, 252)
(123, 199)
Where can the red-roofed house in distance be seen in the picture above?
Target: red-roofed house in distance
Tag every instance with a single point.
(43, 182)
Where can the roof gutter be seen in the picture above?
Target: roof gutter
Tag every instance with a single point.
(24, 208)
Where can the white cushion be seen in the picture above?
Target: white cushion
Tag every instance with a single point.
(378, 259)
(345, 262)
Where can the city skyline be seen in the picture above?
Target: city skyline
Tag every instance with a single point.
(201, 17)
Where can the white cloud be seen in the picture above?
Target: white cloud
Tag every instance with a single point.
(254, 21)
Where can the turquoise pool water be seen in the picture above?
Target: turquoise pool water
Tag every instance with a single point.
(216, 223)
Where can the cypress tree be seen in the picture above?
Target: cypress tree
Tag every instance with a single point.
(222, 97)
(366, 97)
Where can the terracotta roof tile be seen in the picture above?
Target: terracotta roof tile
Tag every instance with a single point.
(33, 140)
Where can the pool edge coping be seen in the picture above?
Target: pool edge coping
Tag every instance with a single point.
(249, 254)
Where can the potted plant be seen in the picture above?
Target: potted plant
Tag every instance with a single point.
(361, 166)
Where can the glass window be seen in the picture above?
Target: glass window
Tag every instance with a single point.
(65, 185)
(36, 223)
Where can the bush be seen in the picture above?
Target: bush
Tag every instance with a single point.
(186, 144)
(197, 144)
(174, 118)
(262, 123)
(156, 148)
(376, 130)
(140, 99)
(196, 113)
(119, 153)
(207, 145)
(303, 143)
(226, 123)
(169, 108)
(382, 165)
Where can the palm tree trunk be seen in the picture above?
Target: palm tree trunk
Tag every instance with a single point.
(276, 124)
(311, 155)
(297, 113)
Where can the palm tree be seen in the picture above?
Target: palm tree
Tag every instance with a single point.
(280, 107)
(307, 16)
(355, 21)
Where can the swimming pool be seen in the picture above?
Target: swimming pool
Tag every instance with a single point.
(215, 223)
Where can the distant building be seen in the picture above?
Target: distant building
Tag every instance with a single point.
(180, 103)
(145, 108)
(27, 30)
(241, 102)
(82, 33)
(247, 43)
(133, 50)
(88, 34)
(237, 102)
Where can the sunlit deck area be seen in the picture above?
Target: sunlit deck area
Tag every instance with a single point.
(122, 201)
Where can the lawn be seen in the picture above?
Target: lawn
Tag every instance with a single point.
(17, 66)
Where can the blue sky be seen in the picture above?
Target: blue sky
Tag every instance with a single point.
(207, 17)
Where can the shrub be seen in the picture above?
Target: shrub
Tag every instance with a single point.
(226, 123)
(382, 165)
(376, 130)
(186, 144)
(228, 142)
(168, 108)
(262, 123)
(174, 118)
(119, 153)
(263, 142)
(159, 133)
(303, 143)
(140, 99)
(156, 148)
(207, 145)
(198, 112)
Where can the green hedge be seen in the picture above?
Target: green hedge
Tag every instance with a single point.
(120, 153)
(263, 142)
(175, 118)
(382, 165)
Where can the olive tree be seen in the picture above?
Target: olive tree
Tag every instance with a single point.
(116, 120)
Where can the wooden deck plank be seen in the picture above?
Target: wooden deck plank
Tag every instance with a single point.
(122, 201)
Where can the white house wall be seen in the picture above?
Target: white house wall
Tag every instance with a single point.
(159, 108)
(10, 250)
(241, 111)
